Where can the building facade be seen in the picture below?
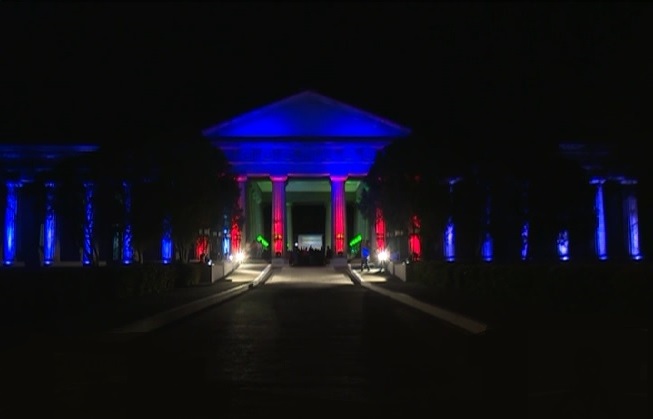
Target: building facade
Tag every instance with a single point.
(305, 150)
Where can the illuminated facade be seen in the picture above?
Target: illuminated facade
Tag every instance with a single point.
(304, 150)
(19, 166)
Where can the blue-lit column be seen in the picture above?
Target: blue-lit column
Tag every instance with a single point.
(127, 250)
(525, 225)
(11, 213)
(524, 240)
(166, 240)
(632, 218)
(49, 226)
(449, 238)
(562, 245)
(87, 251)
(599, 211)
(487, 248)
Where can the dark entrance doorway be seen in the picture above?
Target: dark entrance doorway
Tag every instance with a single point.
(308, 219)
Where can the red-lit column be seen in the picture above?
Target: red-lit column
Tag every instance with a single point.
(379, 229)
(338, 213)
(238, 234)
(414, 242)
(278, 214)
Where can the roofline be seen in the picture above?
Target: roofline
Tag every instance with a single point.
(209, 131)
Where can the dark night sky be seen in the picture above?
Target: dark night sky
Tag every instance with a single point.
(98, 71)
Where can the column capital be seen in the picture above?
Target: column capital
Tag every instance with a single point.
(241, 178)
(338, 178)
(282, 178)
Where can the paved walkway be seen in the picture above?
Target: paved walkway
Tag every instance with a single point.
(144, 314)
(420, 298)
(152, 311)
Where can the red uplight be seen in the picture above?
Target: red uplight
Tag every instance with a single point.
(235, 238)
(379, 229)
(201, 246)
(415, 246)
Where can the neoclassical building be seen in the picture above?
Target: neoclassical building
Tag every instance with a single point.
(307, 149)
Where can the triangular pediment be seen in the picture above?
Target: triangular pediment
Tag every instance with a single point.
(307, 114)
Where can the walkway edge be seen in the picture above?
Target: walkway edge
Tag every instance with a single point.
(469, 325)
(159, 320)
(262, 277)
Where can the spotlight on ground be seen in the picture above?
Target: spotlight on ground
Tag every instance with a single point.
(384, 256)
(240, 257)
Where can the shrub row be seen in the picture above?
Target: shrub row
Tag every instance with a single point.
(73, 288)
(496, 290)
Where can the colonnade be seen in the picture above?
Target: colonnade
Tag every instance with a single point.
(281, 212)
(615, 203)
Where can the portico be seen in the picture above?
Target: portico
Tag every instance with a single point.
(304, 149)
(270, 201)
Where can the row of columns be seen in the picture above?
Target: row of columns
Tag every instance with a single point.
(282, 233)
(282, 230)
(628, 212)
(49, 235)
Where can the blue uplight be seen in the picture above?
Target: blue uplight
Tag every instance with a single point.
(563, 245)
(449, 230)
(524, 241)
(307, 114)
(226, 242)
(487, 248)
(49, 240)
(166, 241)
(449, 243)
(633, 224)
(11, 212)
(87, 256)
(127, 250)
(599, 209)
